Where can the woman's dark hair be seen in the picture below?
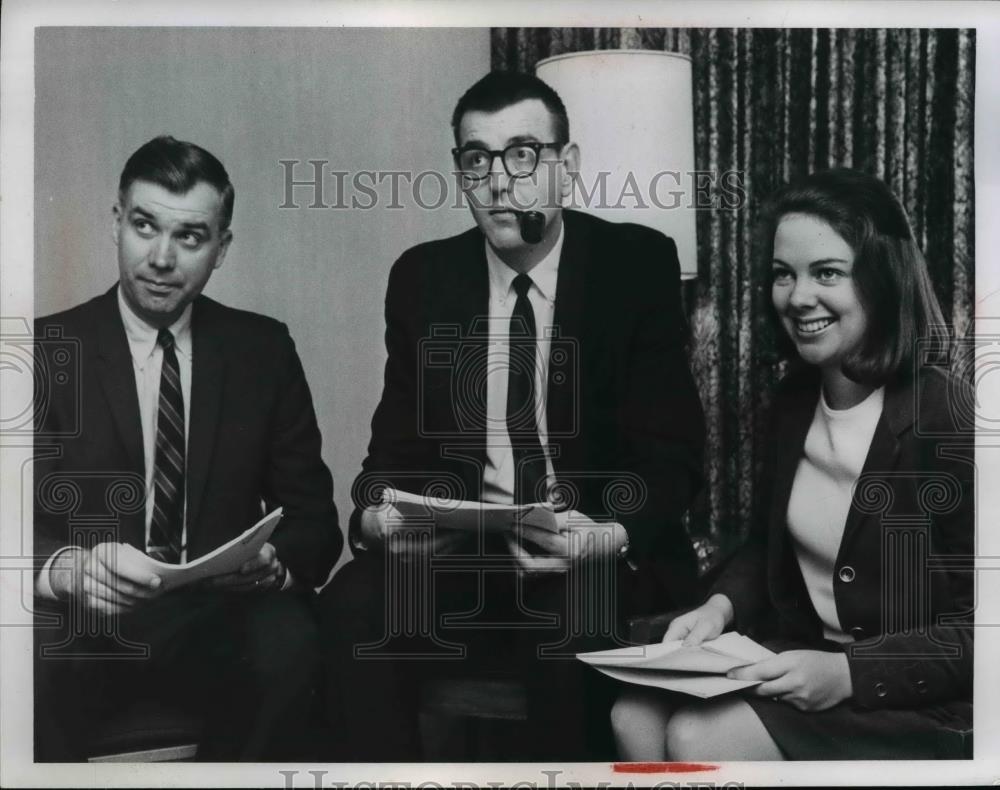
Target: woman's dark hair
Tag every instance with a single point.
(889, 270)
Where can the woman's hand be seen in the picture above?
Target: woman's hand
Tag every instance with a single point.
(706, 622)
(807, 679)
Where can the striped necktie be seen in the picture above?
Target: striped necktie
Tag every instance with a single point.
(167, 526)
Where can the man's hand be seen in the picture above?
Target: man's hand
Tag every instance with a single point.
(109, 578)
(263, 572)
(579, 538)
(807, 679)
(706, 622)
(384, 525)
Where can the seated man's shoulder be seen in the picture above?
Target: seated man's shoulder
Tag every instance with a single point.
(438, 254)
(639, 248)
(223, 318)
(257, 347)
(74, 320)
(239, 325)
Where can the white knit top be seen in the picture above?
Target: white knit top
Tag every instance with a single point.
(832, 459)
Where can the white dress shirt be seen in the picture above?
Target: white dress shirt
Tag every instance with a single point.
(498, 476)
(147, 361)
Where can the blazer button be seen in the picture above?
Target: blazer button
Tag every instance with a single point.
(846, 574)
(858, 632)
(921, 686)
(880, 689)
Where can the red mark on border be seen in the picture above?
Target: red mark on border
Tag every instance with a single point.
(662, 768)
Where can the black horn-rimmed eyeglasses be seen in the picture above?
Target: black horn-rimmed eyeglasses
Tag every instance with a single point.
(519, 159)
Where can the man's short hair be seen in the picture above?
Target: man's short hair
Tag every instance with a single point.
(177, 166)
(500, 89)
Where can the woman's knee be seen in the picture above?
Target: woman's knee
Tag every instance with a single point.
(691, 735)
(727, 729)
(639, 712)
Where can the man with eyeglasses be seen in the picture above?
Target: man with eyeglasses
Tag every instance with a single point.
(537, 357)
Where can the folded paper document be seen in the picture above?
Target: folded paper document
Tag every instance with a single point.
(471, 516)
(699, 671)
(225, 559)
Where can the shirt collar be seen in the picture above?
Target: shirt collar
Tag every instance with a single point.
(544, 274)
(142, 337)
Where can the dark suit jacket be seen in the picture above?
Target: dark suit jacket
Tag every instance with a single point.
(253, 442)
(903, 584)
(623, 415)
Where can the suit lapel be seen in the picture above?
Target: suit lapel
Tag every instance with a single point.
(471, 304)
(468, 302)
(883, 454)
(792, 431)
(784, 579)
(574, 266)
(116, 374)
(208, 374)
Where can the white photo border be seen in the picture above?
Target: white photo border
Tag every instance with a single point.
(20, 18)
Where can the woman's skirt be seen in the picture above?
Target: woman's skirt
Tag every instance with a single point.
(848, 732)
(845, 732)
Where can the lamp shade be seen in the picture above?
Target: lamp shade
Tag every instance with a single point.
(631, 112)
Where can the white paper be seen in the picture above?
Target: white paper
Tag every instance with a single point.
(225, 559)
(703, 686)
(717, 656)
(469, 516)
(699, 670)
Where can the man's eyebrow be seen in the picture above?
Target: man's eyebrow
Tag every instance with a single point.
(195, 226)
(474, 142)
(187, 225)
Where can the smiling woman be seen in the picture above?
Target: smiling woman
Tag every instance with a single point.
(850, 287)
(813, 291)
(816, 300)
(842, 592)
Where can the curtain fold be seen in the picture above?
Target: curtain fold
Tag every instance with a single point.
(773, 105)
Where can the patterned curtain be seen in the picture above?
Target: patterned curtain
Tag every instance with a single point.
(775, 105)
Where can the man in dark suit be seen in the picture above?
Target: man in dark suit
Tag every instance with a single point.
(177, 424)
(538, 356)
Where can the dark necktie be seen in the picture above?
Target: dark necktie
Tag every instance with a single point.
(522, 426)
(167, 526)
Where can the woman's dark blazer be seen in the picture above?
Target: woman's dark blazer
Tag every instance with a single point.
(903, 579)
